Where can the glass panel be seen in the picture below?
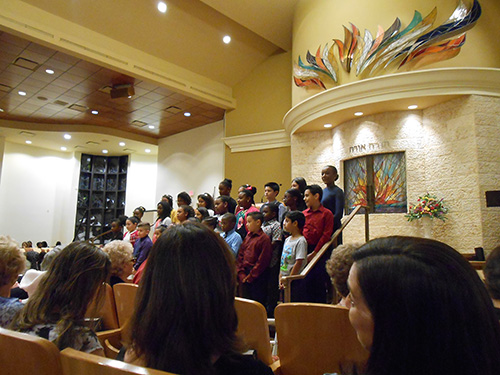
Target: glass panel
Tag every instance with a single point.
(111, 183)
(84, 181)
(389, 180)
(99, 164)
(113, 165)
(83, 199)
(123, 183)
(98, 183)
(355, 183)
(110, 200)
(97, 201)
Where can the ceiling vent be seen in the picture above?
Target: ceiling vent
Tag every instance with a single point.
(5, 88)
(26, 64)
(128, 150)
(27, 134)
(173, 109)
(78, 107)
(105, 89)
(61, 103)
(138, 123)
(122, 91)
(93, 143)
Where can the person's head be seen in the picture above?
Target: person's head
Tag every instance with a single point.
(313, 195)
(225, 187)
(420, 308)
(492, 273)
(39, 244)
(169, 199)
(159, 231)
(200, 213)
(294, 222)
(116, 226)
(210, 221)
(120, 255)
(228, 222)
(271, 191)
(143, 229)
(185, 313)
(183, 199)
(329, 175)
(12, 262)
(184, 213)
(254, 221)
(270, 211)
(49, 258)
(300, 184)
(72, 281)
(292, 198)
(131, 223)
(339, 265)
(206, 200)
(139, 212)
(58, 243)
(245, 197)
(221, 204)
(163, 209)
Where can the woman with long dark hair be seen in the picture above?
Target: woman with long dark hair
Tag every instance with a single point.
(420, 308)
(185, 321)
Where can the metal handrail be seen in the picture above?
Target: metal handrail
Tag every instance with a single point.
(287, 280)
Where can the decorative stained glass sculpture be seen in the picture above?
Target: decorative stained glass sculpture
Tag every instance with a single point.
(414, 46)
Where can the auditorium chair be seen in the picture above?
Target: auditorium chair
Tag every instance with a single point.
(107, 314)
(21, 353)
(316, 339)
(75, 362)
(254, 329)
(125, 301)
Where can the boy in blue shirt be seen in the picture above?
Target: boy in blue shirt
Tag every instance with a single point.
(233, 239)
(143, 244)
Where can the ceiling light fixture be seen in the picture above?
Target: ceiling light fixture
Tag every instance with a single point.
(28, 142)
(125, 90)
(1, 110)
(226, 39)
(162, 7)
(413, 106)
(67, 136)
(187, 114)
(63, 148)
(358, 113)
(328, 125)
(147, 150)
(121, 144)
(151, 126)
(22, 93)
(94, 112)
(49, 71)
(104, 151)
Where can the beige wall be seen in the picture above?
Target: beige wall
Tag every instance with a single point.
(317, 22)
(452, 150)
(263, 98)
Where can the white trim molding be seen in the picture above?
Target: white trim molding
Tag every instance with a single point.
(258, 141)
(444, 82)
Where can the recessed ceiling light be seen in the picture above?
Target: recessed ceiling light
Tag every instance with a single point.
(358, 113)
(147, 150)
(28, 142)
(328, 125)
(129, 96)
(49, 71)
(1, 110)
(187, 114)
(413, 106)
(22, 93)
(151, 126)
(162, 7)
(63, 148)
(226, 39)
(94, 112)
(104, 151)
(67, 136)
(121, 144)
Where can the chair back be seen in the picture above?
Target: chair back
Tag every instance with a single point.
(107, 312)
(253, 327)
(316, 339)
(21, 353)
(125, 301)
(80, 363)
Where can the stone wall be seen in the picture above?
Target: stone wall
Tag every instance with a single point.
(452, 150)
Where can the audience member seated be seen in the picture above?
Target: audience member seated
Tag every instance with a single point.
(338, 267)
(57, 309)
(492, 278)
(122, 262)
(12, 263)
(420, 308)
(185, 321)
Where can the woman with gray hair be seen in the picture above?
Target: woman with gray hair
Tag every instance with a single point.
(122, 262)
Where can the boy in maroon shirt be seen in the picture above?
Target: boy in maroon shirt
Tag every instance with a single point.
(253, 260)
(318, 230)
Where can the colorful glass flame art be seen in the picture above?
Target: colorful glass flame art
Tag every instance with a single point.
(415, 46)
(380, 179)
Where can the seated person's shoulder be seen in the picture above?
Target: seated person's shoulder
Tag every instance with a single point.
(8, 309)
(235, 363)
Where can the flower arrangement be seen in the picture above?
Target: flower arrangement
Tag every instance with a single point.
(427, 206)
